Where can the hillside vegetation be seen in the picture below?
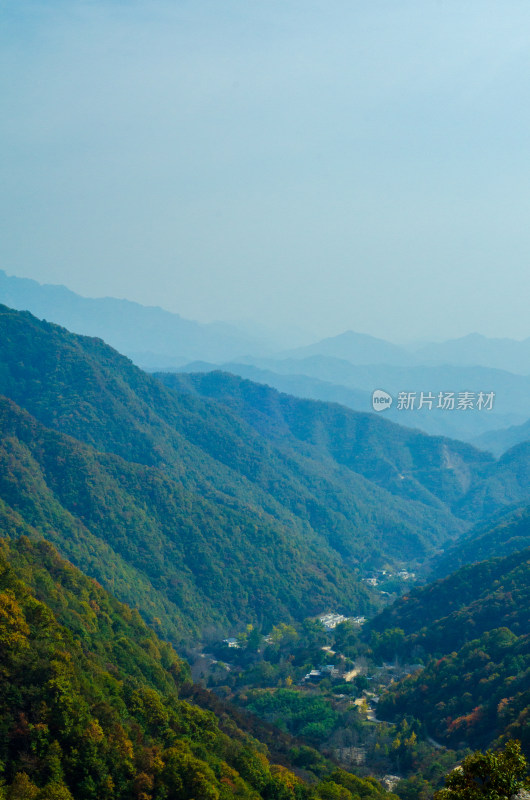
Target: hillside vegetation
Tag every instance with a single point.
(81, 387)
(434, 471)
(90, 708)
(472, 629)
(504, 534)
(185, 562)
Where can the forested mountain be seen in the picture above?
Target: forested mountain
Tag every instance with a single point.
(343, 369)
(476, 598)
(208, 502)
(293, 383)
(473, 630)
(336, 379)
(240, 505)
(404, 461)
(500, 537)
(84, 388)
(176, 504)
(90, 708)
(201, 498)
(187, 562)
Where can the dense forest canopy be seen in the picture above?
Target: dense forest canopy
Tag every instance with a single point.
(90, 708)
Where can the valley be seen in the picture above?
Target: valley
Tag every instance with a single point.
(277, 543)
(264, 400)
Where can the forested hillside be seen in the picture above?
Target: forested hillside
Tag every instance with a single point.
(407, 463)
(244, 505)
(181, 506)
(84, 388)
(475, 598)
(186, 562)
(90, 708)
(212, 502)
(506, 534)
(472, 629)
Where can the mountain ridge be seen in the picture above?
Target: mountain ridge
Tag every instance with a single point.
(304, 488)
(129, 326)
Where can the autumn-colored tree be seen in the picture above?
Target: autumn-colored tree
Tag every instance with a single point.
(487, 776)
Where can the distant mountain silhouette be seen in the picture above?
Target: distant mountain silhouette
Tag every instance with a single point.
(358, 348)
(508, 354)
(344, 369)
(151, 336)
(498, 441)
(333, 379)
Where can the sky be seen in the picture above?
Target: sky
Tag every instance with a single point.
(307, 165)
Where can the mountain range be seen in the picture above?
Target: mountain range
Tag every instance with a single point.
(149, 335)
(340, 381)
(344, 368)
(159, 338)
(211, 500)
(405, 462)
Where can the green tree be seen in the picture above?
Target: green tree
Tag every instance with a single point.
(254, 640)
(55, 791)
(22, 788)
(284, 635)
(487, 776)
(329, 790)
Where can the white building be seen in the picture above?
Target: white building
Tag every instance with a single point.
(330, 621)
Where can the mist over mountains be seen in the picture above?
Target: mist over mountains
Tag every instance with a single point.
(264, 480)
(165, 335)
(211, 503)
(149, 335)
(344, 369)
(337, 380)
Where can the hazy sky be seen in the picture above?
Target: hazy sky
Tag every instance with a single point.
(328, 165)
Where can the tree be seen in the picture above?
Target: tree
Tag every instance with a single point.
(487, 776)
(329, 790)
(254, 640)
(55, 791)
(22, 788)
(284, 635)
